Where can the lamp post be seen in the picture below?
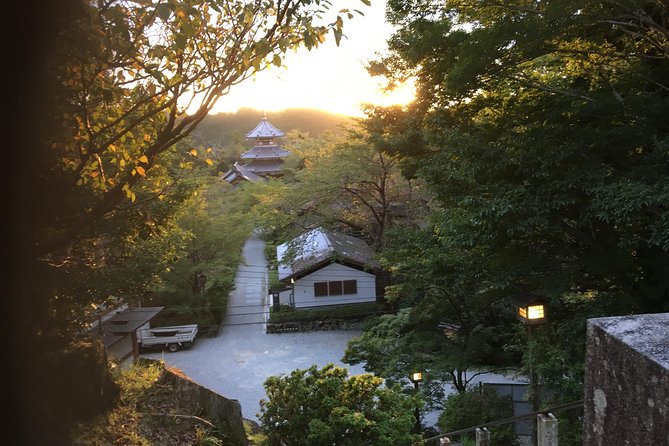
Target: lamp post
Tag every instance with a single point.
(531, 311)
(416, 378)
(292, 292)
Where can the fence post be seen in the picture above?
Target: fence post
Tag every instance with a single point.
(482, 437)
(547, 430)
(445, 441)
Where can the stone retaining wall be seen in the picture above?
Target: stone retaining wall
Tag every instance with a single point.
(334, 324)
(627, 381)
(193, 399)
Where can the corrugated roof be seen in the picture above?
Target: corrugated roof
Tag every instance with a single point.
(123, 323)
(265, 130)
(318, 246)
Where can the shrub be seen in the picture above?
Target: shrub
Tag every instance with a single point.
(322, 407)
(476, 407)
(346, 312)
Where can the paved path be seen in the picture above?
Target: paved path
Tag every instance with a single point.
(237, 362)
(247, 304)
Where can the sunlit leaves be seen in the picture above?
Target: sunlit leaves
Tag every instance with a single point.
(326, 406)
(147, 66)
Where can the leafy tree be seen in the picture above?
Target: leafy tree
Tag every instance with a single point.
(479, 406)
(344, 183)
(542, 135)
(325, 406)
(430, 288)
(111, 89)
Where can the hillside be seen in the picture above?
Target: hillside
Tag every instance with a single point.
(225, 129)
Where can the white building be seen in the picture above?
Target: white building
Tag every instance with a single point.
(321, 268)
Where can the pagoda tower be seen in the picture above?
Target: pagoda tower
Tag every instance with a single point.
(264, 160)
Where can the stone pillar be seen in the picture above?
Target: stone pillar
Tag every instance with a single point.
(547, 430)
(627, 381)
(482, 437)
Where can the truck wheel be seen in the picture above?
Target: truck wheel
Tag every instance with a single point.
(173, 347)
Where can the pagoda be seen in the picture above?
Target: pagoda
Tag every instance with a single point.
(264, 160)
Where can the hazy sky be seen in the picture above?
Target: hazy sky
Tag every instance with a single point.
(329, 77)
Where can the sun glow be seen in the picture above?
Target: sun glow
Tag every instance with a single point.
(329, 78)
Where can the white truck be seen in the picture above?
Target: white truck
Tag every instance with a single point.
(171, 338)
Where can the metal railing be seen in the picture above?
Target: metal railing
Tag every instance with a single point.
(481, 427)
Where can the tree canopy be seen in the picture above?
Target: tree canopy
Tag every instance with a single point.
(325, 406)
(540, 129)
(108, 93)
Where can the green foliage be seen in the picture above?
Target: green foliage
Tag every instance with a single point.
(115, 88)
(540, 131)
(325, 406)
(342, 183)
(141, 416)
(347, 312)
(476, 407)
(432, 285)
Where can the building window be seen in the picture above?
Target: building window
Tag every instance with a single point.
(335, 288)
(350, 286)
(320, 289)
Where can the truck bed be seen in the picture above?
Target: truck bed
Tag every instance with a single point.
(172, 337)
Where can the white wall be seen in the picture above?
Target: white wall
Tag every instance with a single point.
(304, 287)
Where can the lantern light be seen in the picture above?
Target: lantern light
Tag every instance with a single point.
(416, 377)
(531, 309)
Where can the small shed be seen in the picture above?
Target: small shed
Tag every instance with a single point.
(119, 332)
(322, 268)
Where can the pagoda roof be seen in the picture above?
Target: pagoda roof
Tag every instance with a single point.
(264, 130)
(265, 152)
(239, 171)
(265, 166)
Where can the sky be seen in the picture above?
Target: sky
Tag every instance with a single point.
(329, 78)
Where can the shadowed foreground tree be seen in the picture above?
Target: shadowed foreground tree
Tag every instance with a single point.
(103, 91)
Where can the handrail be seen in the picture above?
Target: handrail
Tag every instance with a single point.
(561, 407)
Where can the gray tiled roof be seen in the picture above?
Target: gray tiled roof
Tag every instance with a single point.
(319, 246)
(241, 171)
(264, 130)
(265, 152)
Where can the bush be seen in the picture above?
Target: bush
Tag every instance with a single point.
(346, 312)
(323, 407)
(479, 406)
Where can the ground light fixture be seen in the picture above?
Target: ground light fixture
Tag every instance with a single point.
(416, 378)
(530, 308)
(531, 311)
(292, 292)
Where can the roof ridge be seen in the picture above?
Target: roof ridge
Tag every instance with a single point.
(326, 235)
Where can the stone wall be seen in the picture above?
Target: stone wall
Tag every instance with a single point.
(333, 324)
(627, 381)
(196, 400)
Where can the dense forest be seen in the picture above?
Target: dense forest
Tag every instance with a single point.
(533, 161)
